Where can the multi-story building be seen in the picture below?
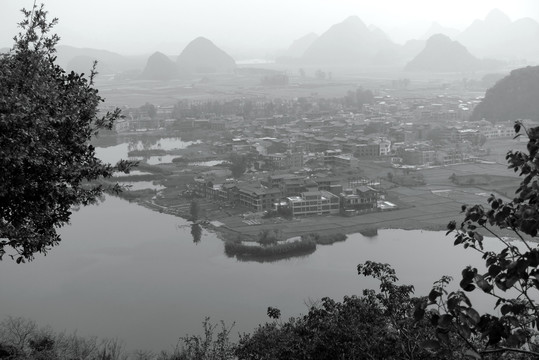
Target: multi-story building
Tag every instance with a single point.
(257, 198)
(313, 203)
(360, 198)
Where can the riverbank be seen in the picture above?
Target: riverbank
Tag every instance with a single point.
(427, 207)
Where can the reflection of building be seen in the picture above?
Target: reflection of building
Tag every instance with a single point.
(313, 202)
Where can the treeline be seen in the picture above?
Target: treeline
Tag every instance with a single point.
(270, 246)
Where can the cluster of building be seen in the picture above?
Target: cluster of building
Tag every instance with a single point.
(285, 134)
(300, 195)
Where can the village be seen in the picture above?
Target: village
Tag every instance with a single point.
(357, 163)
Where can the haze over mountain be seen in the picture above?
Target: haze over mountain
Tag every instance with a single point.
(202, 56)
(499, 37)
(159, 67)
(349, 42)
(441, 54)
(81, 60)
(511, 98)
(436, 28)
(299, 46)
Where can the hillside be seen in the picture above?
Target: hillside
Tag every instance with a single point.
(513, 97)
(203, 56)
(299, 46)
(159, 67)
(441, 54)
(498, 37)
(81, 60)
(349, 42)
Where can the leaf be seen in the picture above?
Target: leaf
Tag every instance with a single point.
(431, 345)
(474, 315)
(445, 321)
(443, 336)
(419, 313)
(467, 285)
(494, 270)
(472, 354)
(483, 284)
(433, 295)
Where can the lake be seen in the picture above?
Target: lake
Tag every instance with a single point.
(128, 272)
(112, 154)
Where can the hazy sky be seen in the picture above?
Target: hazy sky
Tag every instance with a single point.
(142, 26)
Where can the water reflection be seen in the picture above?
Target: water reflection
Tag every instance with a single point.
(112, 154)
(120, 271)
(196, 232)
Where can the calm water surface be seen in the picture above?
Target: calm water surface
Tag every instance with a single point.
(113, 154)
(125, 271)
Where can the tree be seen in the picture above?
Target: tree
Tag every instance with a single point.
(47, 117)
(511, 275)
(238, 165)
(376, 325)
(194, 210)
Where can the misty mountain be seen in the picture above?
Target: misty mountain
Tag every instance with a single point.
(4, 50)
(349, 42)
(81, 60)
(499, 37)
(511, 98)
(202, 56)
(436, 28)
(441, 54)
(299, 46)
(159, 67)
(84, 63)
(411, 49)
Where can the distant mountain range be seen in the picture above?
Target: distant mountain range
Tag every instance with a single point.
(202, 56)
(497, 37)
(441, 54)
(350, 42)
(500, 38)
(159, 67)
(299, 46)
(436, 28)
(81, 60)
(511, 98)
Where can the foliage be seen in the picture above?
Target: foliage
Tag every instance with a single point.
(326, 239)
(511, 275)
(206, 347)
(47, 118)
(372, 326)
(238, 164)
(21, 338)
(273, 252)
(268, 237)
(511, 98)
